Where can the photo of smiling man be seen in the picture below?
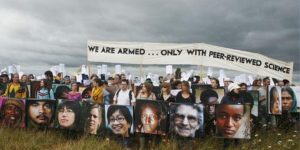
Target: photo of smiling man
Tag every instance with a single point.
(186, 120)
(233, 121)
(119, 119)
(40, 113)
(13, 113)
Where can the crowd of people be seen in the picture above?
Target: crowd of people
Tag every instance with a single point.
(119, 92)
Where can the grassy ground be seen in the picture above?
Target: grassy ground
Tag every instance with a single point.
(20, 139)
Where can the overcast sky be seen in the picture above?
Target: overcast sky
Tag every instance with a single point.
(52, 32)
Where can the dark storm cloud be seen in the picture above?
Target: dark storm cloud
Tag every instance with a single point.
(55, 32)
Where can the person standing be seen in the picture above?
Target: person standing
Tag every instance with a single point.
(15, 89)
(44, 92)
(185, 96)
(232, 97)
(74, 94)
(98, 92)
(124, 96)
(263, 112)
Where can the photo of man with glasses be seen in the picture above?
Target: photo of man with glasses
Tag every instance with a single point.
(186, 120)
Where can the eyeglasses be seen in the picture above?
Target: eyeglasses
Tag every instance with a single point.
(65, 111)
(119, 119)
(180, 118)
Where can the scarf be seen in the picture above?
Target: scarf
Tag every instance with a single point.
(98, 94)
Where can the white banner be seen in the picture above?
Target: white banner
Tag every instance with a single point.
(188, 54)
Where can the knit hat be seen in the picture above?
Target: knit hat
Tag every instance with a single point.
(233, 86)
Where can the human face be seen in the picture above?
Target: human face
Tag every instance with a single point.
(66, 117)
(213, 83)
(95, 84)
(119, 124)
(287, 100)
(275, 107)
(74, 87)
(12, 115)
(186, 121)
(94, 121)
(42, 84)
(30, 77)
(149, 119)
(280, 83)
(144, 89)
(24, 78)
(259, 83)
(226, 83)
(243, 88)
(123, 86)
(15, 78)
(211, 105)
(184, 88)
(179, 86)
(266, 83)
(229, 119)
(164, 88)
(237, 90)
(123, 76)
(40, 112)
(117, 79)
(4, 79)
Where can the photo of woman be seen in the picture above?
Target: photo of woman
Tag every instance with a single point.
(119, 119)
(94, 120)
(68, 115)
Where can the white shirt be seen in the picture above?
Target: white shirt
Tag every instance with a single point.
(123, 97)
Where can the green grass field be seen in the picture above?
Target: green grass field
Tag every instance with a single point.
(20, 139)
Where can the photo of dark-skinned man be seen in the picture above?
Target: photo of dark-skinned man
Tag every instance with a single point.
(12, 113)
(150, 117)
(186, 120)
(40, 113)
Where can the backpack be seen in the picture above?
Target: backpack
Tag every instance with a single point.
(130, 95)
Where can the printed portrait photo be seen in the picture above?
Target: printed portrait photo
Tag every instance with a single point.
(68, 115)
(290, 96)
(233, 121)
(13, 113)
(150, 117)
(119, 119)
(94, 118)
(274, 100)
(40, 113)
(199, 89)
(186, 120)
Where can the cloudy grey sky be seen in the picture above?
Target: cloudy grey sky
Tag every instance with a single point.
(51, 32)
